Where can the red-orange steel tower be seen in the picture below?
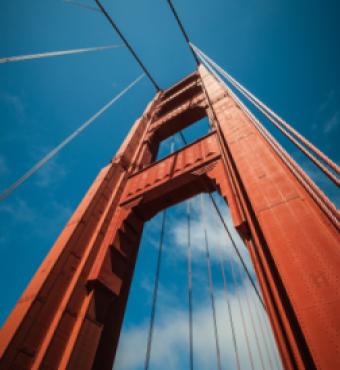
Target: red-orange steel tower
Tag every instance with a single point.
(70, 315)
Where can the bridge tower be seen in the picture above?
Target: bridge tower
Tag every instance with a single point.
(70, 315)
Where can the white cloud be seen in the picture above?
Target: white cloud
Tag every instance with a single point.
(19, 210)
(217, 237)
(328, 102)
(170, 340)
(50, 174)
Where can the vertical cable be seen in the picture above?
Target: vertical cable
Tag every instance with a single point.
(155, 294)
(191, 352)
(225, 226)
(226, 294)
(264, 337)
(211, 285)
(271, 339)
(245, 332)
(233, 243)
(254, 327)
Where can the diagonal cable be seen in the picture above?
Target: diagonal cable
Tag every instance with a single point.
(225, 226)
(180, 24)
(4, 194)
(50, 54)
(81, 5)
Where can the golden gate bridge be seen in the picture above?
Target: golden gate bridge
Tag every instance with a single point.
(70, 316)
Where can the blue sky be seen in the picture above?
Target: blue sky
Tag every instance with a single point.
(286, 52)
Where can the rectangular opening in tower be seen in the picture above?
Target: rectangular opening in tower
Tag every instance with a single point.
(190, 133)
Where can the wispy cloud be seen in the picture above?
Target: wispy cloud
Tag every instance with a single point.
(332, 123)
(15, 102)
(50, 219)
(217, 237)
(170, 344)
(328, 102)
(19, 211)
(170, 340)
(327, 115)
(50, 174)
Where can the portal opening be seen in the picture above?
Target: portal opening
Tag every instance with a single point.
(185, 231)
(175, 142)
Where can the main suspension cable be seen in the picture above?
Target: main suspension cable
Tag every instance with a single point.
(50, 54)
(4, 194)
(211, 284)
(320, 198)
(282, 125)
(155, 294)
(127, 44)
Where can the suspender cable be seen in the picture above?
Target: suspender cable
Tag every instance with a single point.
(127, 44)
(257, 341)
(180, 24)
(211, 285)
(155, 294)
(50, 54)
(264, 337)
(233, 243)
(282, 125)
(243, 322)
(271, 339)
(191, 350)
(225, 226)
(191, 46)
(156, 284)
(226, 295)
(57, 149)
